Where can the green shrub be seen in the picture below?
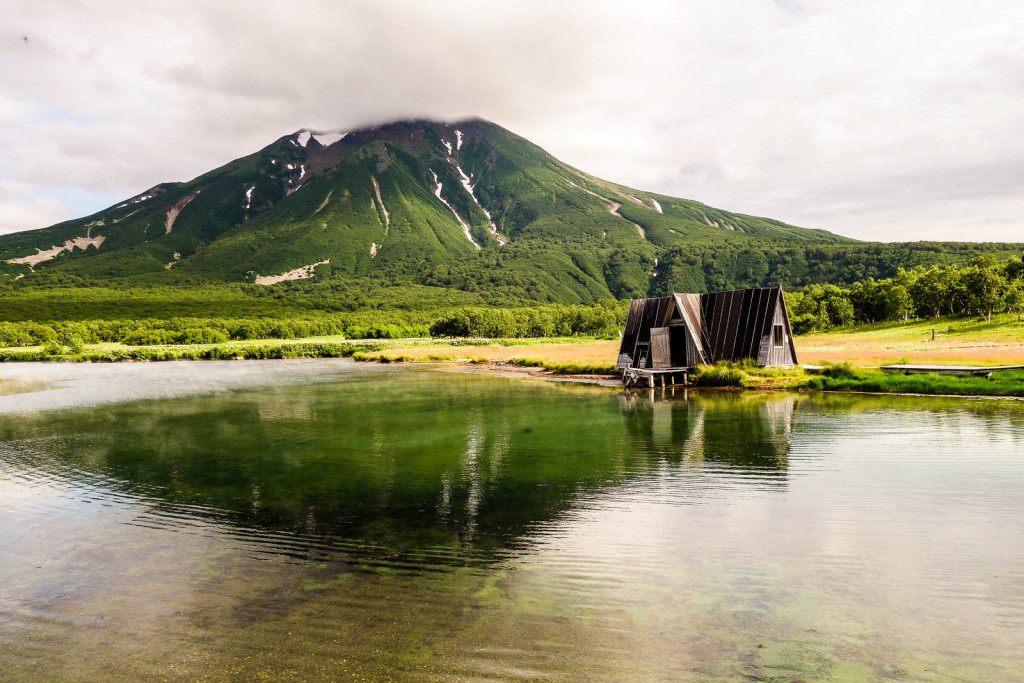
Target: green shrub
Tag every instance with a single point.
(565, 368)
(202, 335)
(75, 345)
(720, 375)
(152, 337)
(844, 370)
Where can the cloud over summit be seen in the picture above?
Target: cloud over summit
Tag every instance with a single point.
(880, 120)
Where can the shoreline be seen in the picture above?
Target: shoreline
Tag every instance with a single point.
(567, 360)
(613, 382)
(509, 370)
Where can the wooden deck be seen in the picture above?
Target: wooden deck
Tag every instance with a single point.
(649, 377)
(970, 370)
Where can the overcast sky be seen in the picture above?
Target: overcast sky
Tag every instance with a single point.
(889, 120)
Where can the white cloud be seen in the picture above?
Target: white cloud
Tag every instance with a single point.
(882, 120)
(17, 214)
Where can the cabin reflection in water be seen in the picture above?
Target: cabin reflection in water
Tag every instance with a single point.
(751, 433)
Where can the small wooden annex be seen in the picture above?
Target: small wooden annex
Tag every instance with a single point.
(685, 330)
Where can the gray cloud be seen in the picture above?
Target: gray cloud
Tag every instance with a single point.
(890, 120)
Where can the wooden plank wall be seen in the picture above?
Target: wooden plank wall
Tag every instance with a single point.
(661, 350)
(643, 315)
(785, 354)
(630, 333)
(722, 326)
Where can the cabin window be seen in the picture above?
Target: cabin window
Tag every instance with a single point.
(779, 336)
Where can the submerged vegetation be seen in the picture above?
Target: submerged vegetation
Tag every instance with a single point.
(847, 377)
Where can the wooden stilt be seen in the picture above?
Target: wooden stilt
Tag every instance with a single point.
(667, 377)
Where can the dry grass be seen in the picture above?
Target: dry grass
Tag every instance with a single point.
(963, 341)
(586, 352)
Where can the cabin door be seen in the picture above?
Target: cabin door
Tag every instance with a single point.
(661, 348)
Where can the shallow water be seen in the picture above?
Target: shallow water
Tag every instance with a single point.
(322, 519)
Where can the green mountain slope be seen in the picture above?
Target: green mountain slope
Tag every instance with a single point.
(466, 205)
(398, 201)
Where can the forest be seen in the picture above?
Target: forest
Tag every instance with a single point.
(74, 314)
(981, 287)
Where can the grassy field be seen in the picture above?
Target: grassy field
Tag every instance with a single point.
(964, 341)
(848, 354)
(958, 341)
(600, 353)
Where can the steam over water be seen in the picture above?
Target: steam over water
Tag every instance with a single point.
(321, 519)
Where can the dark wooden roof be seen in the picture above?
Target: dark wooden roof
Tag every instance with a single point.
(729, 325)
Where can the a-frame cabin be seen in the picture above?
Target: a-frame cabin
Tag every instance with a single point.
(684, 330)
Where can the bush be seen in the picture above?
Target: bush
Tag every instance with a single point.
(151, 337)
(75, 345)
(721, 375)
(547, 321)
(202, 335)
(12, 334)
(844, 370)
(1001, 384)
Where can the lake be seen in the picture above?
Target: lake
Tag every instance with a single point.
(333, 520)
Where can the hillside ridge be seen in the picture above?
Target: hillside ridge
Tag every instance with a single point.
(462, 205)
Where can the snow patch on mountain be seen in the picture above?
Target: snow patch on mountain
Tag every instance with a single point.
(302, 273)
(458, 140)
(448, 145)
(248, 197)
(613, 208)
(466, 183)
(297, 182)
(657, 206)
(41, 255)
(465, 226)
(136, 200)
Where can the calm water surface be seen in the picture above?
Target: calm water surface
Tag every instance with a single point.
(321, 519)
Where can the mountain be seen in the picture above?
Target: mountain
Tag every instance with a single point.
(465, 204)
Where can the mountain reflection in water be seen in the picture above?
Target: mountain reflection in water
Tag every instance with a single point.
(373, 524)
(407, 468)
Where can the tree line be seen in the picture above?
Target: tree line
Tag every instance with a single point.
(982, 287)
(603, 319)
(599, 319)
